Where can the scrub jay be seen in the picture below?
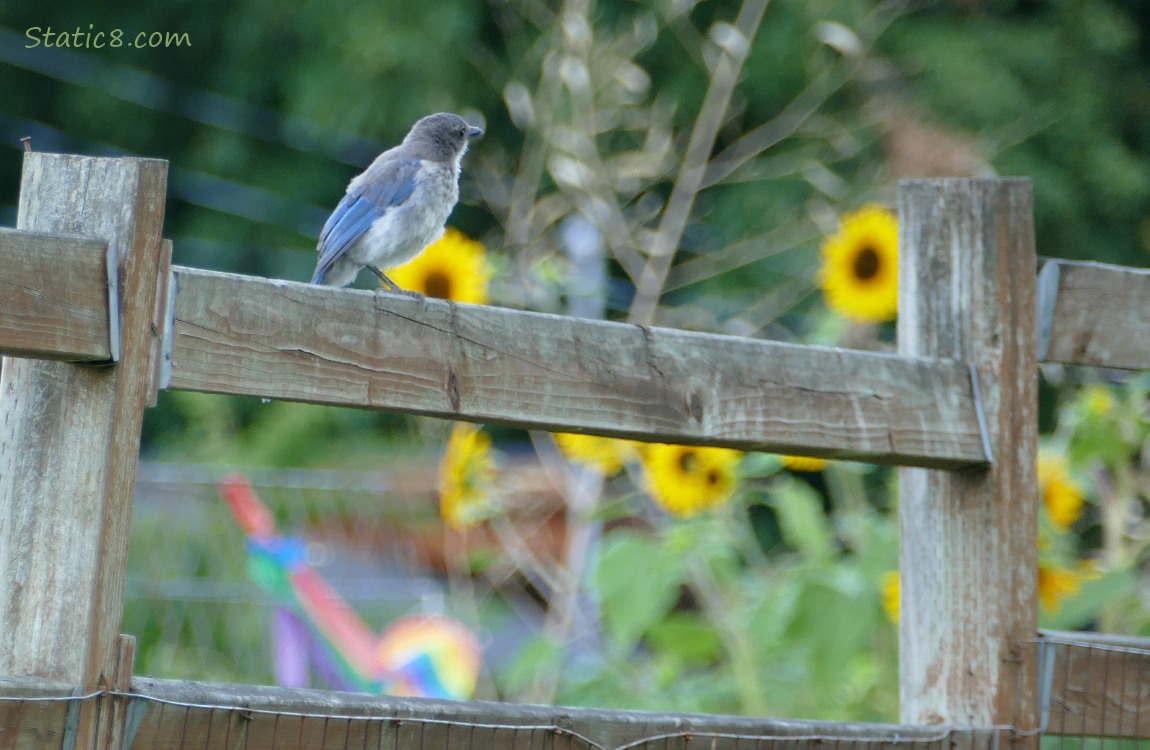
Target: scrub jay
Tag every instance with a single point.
(398, 206)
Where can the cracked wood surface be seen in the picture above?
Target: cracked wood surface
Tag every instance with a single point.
(1094, 314)
(186, 715)
(286, 340)
(70, 439)
(968, 539)
(47, 312)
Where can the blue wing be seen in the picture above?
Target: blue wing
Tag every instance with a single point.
(391, 185)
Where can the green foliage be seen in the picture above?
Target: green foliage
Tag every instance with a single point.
(1054, 91)
(1103, 432)
(697, 616)
(642, 596)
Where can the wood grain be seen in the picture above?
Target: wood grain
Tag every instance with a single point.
(968, 538)
(181, 715)
(53, 297)
(1094, 314)
(70, 435)
(286, 719)
(1099, 685)
(285, 340)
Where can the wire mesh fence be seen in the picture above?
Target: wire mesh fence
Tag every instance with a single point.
(1095, 695)
(1096, 691)
(376, 538)
(169, 715)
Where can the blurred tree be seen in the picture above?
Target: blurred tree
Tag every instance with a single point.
(1056, 91)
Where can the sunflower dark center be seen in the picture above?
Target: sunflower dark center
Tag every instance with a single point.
(867, 263)
(437, 284)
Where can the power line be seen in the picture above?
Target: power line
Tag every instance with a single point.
(208, 191)
(209, 108)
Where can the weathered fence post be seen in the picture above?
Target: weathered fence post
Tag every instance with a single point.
(968, 538)
(70, 434)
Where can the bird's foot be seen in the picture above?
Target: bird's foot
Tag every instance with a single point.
(391, 285)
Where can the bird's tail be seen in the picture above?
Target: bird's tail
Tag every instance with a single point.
(319, 275)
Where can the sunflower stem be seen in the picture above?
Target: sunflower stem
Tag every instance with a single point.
(733, 635)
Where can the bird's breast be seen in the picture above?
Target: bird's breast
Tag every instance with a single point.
(401, 232)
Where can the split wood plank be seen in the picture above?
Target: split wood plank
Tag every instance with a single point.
(1098, 685)
(969, 538)
(54, 297)
(297, 719)
(299, 342)
(70, 437)
(1094, 314)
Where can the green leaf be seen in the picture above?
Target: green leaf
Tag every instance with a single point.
(835, 617)
(537, 656)
(801, 518)
(687, 636)
(638, 581)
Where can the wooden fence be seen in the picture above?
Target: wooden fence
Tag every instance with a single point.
(96, 320)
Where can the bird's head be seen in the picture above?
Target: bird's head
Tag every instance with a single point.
(443, 136)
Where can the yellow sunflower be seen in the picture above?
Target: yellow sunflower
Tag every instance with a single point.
(466, 477)
(1098, 401)
(805, 464)
(605, 455)
(859, 274)
(1060, 493)
(891, 586)
(684, 479)
(454, 268)
(1055, 582)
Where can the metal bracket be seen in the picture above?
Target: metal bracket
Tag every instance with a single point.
(134, 718)
(112, 265)
(1048, 279)
(161, 309)
(980, 412)
(72, 720)
(169, 322)
(1045, 681)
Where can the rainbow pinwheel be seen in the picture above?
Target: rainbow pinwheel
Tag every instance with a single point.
(424, 656)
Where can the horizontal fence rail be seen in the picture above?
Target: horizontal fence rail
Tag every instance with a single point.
(276, 339)
(54, 297)
(1094, 314)
(1093, 686)
(286, 340)
(1097, 685)
(179, 715)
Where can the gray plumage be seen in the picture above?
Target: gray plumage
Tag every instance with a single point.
(398, 206)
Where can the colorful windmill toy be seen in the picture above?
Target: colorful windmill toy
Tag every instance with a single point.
(424, 656)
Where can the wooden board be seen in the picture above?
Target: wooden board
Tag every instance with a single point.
(1094, 314)
(70, 437)
(968, 539)
(177, 716)
(172, 715)
(286, 340)
(1098, 685)
(54, 297)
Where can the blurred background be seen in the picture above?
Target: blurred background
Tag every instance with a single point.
(720, 151)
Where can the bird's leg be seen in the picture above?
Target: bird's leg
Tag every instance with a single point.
(391, 284)
(383, 277)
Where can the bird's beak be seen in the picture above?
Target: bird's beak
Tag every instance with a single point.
(474, 132)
